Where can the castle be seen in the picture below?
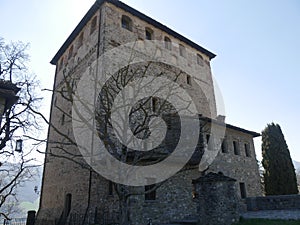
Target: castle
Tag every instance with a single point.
(70, 187)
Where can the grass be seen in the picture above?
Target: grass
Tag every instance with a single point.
(267, 222)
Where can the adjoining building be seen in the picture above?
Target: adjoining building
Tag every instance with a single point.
(69, 188)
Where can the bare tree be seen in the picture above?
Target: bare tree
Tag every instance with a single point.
(139, 113)
(19, 122)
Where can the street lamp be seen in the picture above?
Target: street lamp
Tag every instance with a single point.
(19, 145)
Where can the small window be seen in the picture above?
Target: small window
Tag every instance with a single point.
(182, 51)
(80, 40)
(68, 202)
(150, 192)
(247, 150)
(126, 23)
(199, 60)
(110, 188)
(154, 104)
(61, 64)
(149, 34)
(236, 148)
(93, 25)
(209, 141)
(70, 52)
(188, 80)
(63, 120)
(243, 190)
(168, 43)
(224, 148)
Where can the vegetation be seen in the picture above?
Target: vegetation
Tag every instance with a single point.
(18, 121)
(279, 172)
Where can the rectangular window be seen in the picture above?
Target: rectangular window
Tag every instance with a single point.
(110, 188)
(224, 148)
(209, 141)
(150, 191)
(247, 150)
(243, 190)
(188, 80)
(154, 104)
(149, 34)
(236, 148)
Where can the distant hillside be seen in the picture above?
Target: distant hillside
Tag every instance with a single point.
(28, 197)
(296, 164)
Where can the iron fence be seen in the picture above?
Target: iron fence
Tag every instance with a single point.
(16, 221)
(94, 218)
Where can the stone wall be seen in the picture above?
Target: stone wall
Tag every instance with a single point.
(62, 177)
(217, 200)
(174, 201)
(278, 202)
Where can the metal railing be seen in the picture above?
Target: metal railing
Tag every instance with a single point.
(16, 221)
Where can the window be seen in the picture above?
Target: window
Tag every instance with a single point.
(150, 194)
(224, 148)
(209, 141)
(70, 52)
(110, 188)
(247, 150)
(182, 51)
(149, 34)
(61, 64)
(68, 201)
(126, 23)
(154, 102)
(150, 191)
(236, 148)
(93, 25)
(80, 40)
(168, 43)
(188, 80)
(62, 122)
(243, 190)
(199, 60)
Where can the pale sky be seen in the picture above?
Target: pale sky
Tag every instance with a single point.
(257, 44)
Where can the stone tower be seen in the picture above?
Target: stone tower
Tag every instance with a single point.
(69, 187)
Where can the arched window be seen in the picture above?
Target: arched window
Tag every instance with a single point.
(80, 39)
(182, 51)
(149, 34)
(93, 25)
(68, 202)
(126, 23)
(61, 64)
(199, 60)
(168, 43)
(70, 52)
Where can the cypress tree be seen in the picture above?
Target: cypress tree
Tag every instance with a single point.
(279, 171)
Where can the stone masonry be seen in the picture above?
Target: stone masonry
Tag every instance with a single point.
(67, 181)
